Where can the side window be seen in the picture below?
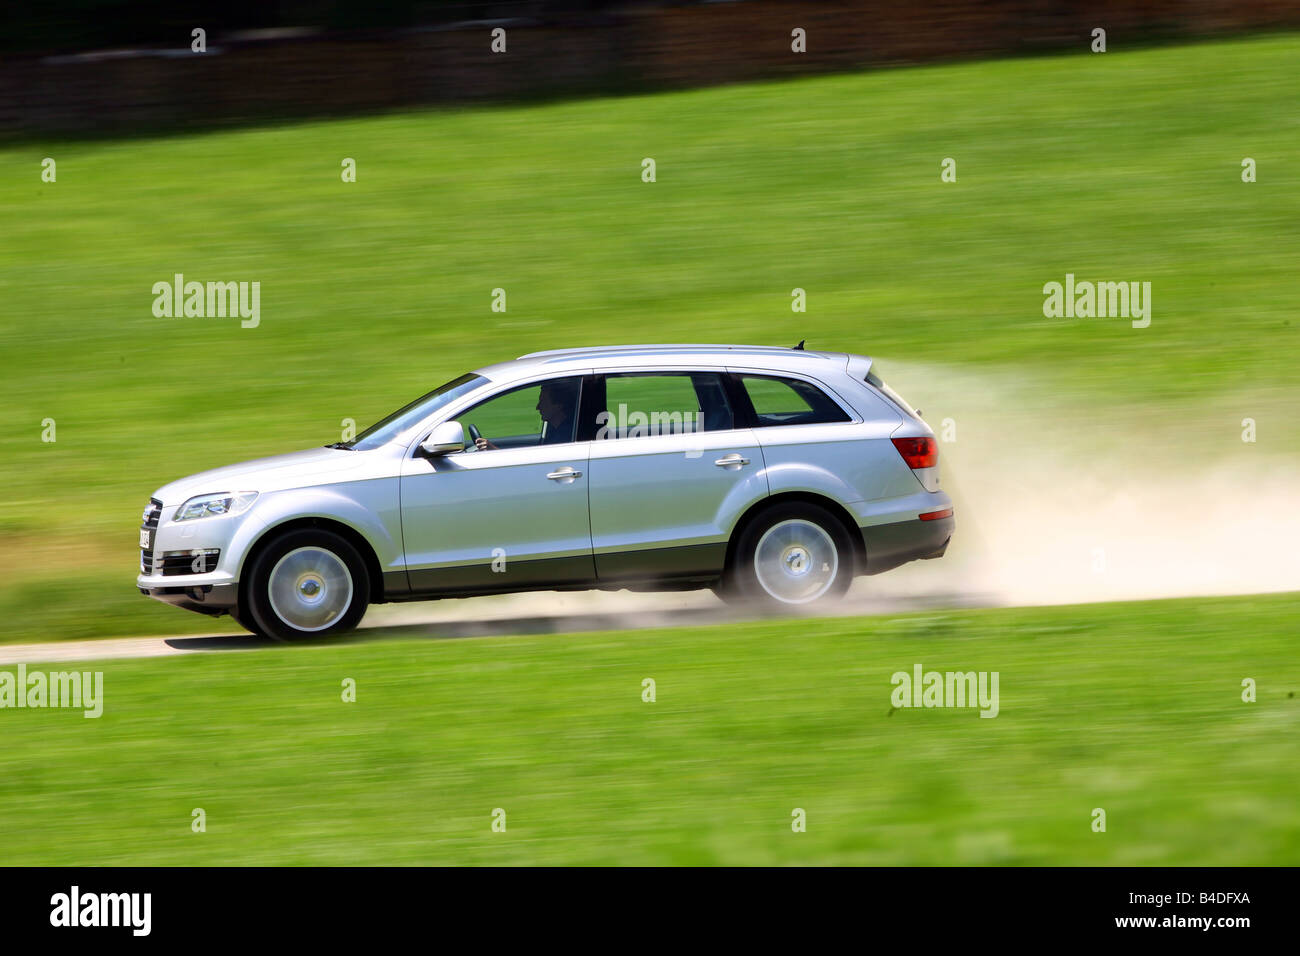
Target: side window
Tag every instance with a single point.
(544, 413)
(665, 403)
(788, 401)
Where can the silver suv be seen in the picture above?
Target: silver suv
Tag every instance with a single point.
(771, 475)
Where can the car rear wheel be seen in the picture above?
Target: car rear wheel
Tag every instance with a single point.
(307, 584)
(792, 555)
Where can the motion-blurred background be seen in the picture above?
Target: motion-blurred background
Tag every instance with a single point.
(1090, 460)
(141, 149)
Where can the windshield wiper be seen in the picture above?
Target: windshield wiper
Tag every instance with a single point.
(346, 446)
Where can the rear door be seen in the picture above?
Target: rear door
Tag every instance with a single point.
(669, 473)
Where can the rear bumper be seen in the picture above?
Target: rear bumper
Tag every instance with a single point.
(889, 545)
(204, 598)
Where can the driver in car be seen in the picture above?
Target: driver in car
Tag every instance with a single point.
(555, 402)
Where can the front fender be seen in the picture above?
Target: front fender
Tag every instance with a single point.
(371, 509)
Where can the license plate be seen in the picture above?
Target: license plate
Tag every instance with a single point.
(144, 538)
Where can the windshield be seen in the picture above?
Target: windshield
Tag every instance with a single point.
(382, 432)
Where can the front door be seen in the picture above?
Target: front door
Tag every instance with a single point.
(510, 511)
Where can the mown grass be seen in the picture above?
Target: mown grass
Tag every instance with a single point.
(1132, 708)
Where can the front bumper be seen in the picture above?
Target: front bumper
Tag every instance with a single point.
(211, 599)
(164, 574)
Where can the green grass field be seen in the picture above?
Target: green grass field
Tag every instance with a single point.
(1132, 708)
(1123, 166)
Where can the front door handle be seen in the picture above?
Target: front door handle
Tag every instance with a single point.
(732, 461)
(564, 474)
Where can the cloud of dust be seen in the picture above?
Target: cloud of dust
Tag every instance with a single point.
(1062, 505)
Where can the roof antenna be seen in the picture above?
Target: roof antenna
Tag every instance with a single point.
(799, 347)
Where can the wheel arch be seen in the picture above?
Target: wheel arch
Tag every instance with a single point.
(345, 531)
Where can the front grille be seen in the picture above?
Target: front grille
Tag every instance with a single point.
(151, 515)
(196, 561)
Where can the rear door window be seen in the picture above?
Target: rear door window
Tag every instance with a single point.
(664, 403)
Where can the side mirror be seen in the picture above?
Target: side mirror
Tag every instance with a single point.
(445, 439)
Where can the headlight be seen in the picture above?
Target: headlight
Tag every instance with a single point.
(210, 506)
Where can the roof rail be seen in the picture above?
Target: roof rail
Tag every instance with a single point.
(685, 347)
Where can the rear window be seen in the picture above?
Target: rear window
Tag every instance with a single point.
(899, 400)
(789, 401)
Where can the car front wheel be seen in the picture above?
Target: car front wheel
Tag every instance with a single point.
(307, 583)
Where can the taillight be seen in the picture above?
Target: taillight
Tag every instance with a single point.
(918, 452)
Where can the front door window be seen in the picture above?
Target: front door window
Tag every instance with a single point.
(544, 413)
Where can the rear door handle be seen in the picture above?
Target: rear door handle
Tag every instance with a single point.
(564, 473)
(733, 460)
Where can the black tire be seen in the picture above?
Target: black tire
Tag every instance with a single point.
(245, 620)
(813, 536)
(328, 563)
